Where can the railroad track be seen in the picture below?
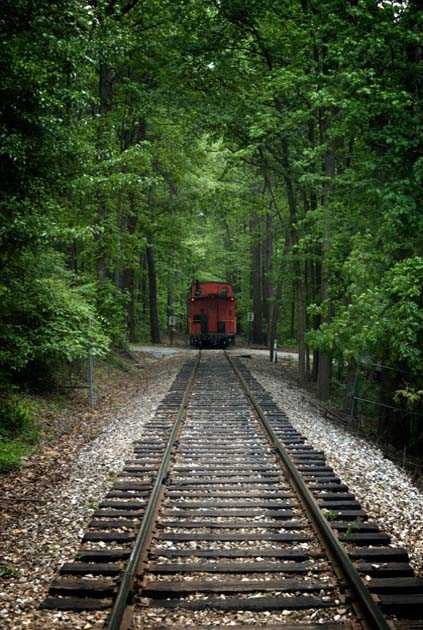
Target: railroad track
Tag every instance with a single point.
(226, 516)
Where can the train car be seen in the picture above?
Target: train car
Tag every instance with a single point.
(211, 315)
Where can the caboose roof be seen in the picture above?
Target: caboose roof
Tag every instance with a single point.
(200, 290)
(211, 282)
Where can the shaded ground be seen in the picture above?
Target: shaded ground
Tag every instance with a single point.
(46, 505)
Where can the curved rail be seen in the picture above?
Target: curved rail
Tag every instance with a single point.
(370, 614)
(117, 615)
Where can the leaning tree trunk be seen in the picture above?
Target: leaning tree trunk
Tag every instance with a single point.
(152, 289)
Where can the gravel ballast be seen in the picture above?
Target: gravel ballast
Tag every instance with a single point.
(384, 490)
(48, 530)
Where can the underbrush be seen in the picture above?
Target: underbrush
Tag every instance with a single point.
(18, 431)
(119, 360)
(11, 454)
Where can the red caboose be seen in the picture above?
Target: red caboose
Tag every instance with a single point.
(211, 314)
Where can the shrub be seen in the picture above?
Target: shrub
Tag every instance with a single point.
(17, 431)
(46, 318)
(16, 419)
(7, 571)
(111, 306)
(11, 454)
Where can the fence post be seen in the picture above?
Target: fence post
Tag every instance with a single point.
(275, 351)
(91, 388)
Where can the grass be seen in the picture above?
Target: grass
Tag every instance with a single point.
(92, 504)
(7, 571)
(352, 527)
(11, 454)
(120, 362)
(330, 515)
(18, 431)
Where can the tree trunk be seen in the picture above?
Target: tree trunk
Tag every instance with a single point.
(127, 283)
(105, 92)
(152, 288)
(292, 312)
(275, 304)
(267, 252)
(274, 313)
(297, 266)
(316, 318)
(170, 310)
(308, 287)
(301, 322)
(308, 368)
(256, 280)
(323, 376)
(315, 366)
(143, 286)
(324, 372)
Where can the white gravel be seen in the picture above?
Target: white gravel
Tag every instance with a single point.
(50, 533)
(384, 490)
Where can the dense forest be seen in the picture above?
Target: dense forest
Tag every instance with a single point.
(277, 145)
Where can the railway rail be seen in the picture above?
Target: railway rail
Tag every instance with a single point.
(225, 515)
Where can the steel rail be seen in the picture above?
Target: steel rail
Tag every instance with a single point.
(117, 615)
(370, 614)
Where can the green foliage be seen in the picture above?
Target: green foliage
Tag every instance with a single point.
(411, 396)
(389, 311)
(16, 419)
(72, 328)
(46, 318)
(11, 454)
(18, 431)
(6, 570)
(111, 304)
(330, 515)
